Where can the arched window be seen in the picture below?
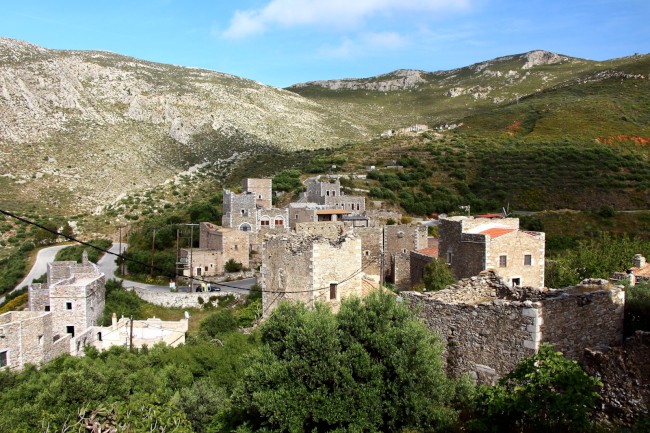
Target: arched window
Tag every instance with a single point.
(279, 221)
(245, 227)
(265, 221)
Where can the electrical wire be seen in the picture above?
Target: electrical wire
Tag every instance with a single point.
(163, 272)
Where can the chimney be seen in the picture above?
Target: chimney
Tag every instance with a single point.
(638, 261)
(114, 321)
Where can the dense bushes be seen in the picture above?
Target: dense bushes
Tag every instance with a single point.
(74, 252)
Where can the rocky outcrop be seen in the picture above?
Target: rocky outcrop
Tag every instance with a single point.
(539, 57)
(402, 79)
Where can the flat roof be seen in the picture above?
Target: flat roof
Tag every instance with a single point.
(332, 212)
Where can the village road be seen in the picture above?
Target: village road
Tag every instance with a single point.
(44, 256)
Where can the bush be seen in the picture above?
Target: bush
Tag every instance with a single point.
(233, 266)
(544, 392)
(637, 308)
(438, 275)
(219, 323)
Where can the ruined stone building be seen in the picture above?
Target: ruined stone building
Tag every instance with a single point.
(74, 294)
(217, 245)
(399, 240)
(488, 326)
(252, 210)
(328, 193)
(310, 268)
(471, 245)
(312, 212)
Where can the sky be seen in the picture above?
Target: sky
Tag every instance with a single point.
(283, 42)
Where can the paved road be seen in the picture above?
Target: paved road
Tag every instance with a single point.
(44, 256)
(108, 265)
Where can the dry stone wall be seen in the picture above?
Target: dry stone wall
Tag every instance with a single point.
(489, 327)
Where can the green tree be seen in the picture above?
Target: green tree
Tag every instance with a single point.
(544, 392)
(437, 275)
(372, 367)
(233, 266)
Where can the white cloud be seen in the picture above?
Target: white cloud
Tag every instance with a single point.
(366, 43)
(340, 13)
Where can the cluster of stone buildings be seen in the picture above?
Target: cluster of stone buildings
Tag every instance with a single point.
(64, 317)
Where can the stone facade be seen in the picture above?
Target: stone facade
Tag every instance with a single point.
(309, 269)
(329, 193)
(399, 241)
(261, 189)
(74, 293)
(26, 337)
(252, 210)
(217, 245)
(419, 261)
(471, 245)
(489, 326)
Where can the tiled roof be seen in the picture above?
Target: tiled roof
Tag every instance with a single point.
(496, 232)
(429, 251)
(489, 215)
(643, 271)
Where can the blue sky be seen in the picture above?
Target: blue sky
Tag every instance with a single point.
(282, 42)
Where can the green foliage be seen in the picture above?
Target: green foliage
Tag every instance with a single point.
(546, 392)
(597, 257)
(121, 302)
(369, 368)
(233, 266)
(637, 307)
(74, 252)
(438, 275)
(288, 181)
(219, 323)
(12, 270)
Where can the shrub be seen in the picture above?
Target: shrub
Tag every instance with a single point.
(219, 323)
(233, 266)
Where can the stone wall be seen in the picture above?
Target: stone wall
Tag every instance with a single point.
(286, 272)
(466, 256)
(353, 203)
(515, 246)
(489, 326)
(371, 249)
(39, 297)
(625, 373)
(26, 337)
(328, 230)
(584, 316)
(399, 241)
(306, 268)
(177, 299)
(261, 189)
(239, 209)
(205, 263)
(417, 264)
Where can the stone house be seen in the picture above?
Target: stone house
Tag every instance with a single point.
(252, 210)
(217, 245)
(640, 269)
(309, 268)
(312, 212)
(488, 326)
(328, 193)
(28, 337)
(399, 240)
(74, 294)
(471, 245)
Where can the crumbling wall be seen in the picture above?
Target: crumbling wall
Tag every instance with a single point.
(286, 272)
(625, 373)
(371, 248)
(583, 316)
(339, 263)
(329, 230)
(489, 327)
(399, 241)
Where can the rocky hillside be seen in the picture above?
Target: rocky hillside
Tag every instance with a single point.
(406, 97)
(79, 128)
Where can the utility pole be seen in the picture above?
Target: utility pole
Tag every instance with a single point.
(383, 251)
(120, 259)
(153, 249)
(177, 258)
(131, 335)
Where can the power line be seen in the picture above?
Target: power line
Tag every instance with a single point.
(163, 272)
